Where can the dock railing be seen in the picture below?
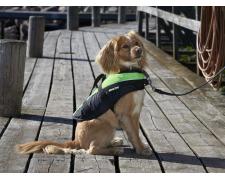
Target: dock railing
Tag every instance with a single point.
(180, 24)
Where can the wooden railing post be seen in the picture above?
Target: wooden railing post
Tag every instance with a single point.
(35, 36)
(121, 14)
(140, 17)
(72, 18)
(197, 18)
(96, 17)
(146, 26)
(12, 63)
(2, 29)
(175, 36)
(158, 30)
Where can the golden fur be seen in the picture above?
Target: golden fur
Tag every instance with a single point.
(97, 136)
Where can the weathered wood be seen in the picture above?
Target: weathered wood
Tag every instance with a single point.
(72, 18)
(190, 129)
(12, 64)
(146, 26)
(24, 129)
(197, 18)
(2, 33)
(140, 17)
(30, 65)
(57, 123)
(130, 162)
(181, 21)
(174, 153)
(91, 45)
(158, 31)
(96, 16)
(175, 37)
(121, 14)
(35, 36)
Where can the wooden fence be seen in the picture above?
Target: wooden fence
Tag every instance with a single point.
(180, 22)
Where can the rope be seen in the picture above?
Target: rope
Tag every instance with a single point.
(211, 43)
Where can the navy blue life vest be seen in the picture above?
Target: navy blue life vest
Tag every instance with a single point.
(109, 92)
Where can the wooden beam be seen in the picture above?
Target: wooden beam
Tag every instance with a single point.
(96, 17)
(121, 14)
(2, 29)
(197, 18)
(12, 64)
(146, 26)
(158, 30)
(178, 20)
(72, 18)
(175, 37)
(35, 36)
(140, 17)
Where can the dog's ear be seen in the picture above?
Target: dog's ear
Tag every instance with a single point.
(107, 58)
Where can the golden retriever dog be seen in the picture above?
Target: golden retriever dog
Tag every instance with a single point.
(96, 136)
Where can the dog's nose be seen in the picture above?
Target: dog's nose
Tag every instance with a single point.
(139, 51)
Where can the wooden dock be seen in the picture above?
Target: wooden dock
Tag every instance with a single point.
(186, 134)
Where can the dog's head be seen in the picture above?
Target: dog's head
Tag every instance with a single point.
(121, 53)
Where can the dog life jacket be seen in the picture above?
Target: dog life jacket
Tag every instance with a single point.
(113, 87)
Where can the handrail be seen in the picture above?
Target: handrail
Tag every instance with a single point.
(176, 19)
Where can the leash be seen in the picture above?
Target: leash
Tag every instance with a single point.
(159, 91)
(154, 89)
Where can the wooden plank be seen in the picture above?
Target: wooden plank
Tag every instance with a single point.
(174, 153)
(25, 129)
(91, 45)
(190, 129)
(130, 162)
(200, 106)
(83, 84)
(30, 65)
(179, 20)
(57, 123)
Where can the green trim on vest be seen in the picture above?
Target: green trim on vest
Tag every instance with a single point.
(116, 78)
(121, 77)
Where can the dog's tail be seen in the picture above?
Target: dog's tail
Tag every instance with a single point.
(39, 146)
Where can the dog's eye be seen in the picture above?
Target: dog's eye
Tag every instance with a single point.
(136, 43)
(125, 46)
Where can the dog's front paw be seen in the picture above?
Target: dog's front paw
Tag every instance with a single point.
(118, 151)
(146, 151)
(79, 151)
